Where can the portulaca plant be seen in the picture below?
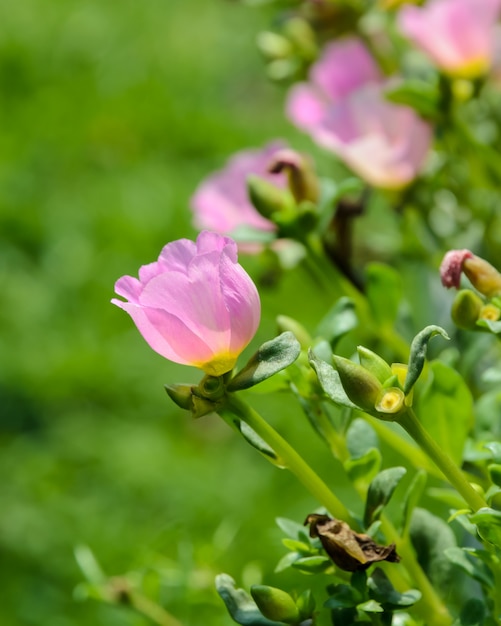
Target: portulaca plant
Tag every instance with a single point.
(400, 97)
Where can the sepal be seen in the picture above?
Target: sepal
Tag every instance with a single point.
(419, 347)
(180, 394)
(360, 385)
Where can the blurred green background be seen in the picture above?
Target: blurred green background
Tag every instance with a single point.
(111, 113)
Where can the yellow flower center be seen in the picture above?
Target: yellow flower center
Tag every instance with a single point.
(489, 312)
(390, 401)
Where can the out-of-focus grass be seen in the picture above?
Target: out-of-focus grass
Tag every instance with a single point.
(111, 113)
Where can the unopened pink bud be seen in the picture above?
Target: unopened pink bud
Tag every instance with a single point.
(482, 275)
(452, 266)
(196, 305)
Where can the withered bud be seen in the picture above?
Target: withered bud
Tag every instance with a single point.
(349, 550)
(303, 181)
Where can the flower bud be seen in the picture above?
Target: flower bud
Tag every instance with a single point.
(303, 181)
(267, 198)
(360, 385)
(483, 276)
(180, 395)
(466, 309)
(374, 363)
(275, 604)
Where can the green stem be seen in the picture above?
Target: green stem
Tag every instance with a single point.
(291, 459)
(452, 473)
(151, 610)
(430, 607)
(405, 448)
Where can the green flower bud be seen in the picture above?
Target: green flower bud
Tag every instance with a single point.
(267, 198)
(466, 309)
(374, 363)
(483, 276)
(360, 385)
(181, 395)
(275, 604)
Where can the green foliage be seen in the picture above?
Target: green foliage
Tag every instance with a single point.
(446, 409)
(380, 492)
(270, 358)
(432, 537)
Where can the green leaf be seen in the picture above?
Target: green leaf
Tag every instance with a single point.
(342, 596)
(291, 528)
(287, 560)
(258, 443)
(495, 473)
(240, 605)
(431, 536)
(371, 606)
(297, 546)
(272, 357)
(422, 97)
(495, 448)
(312, 564)
(446, 409)
(360, 438)
(364, 468)
(384, 592)
(380, 491)
(417, 356)
(488, 522)
(338, 322)
(330, 382)
(306, 604)
(411, 499)
(493, 326)
(475, 569)
(384, 292)
(472, 613)
(374, 363)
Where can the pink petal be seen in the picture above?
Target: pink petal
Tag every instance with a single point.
(305, 108)
(128, 287)
(345, 65)
(168, 335)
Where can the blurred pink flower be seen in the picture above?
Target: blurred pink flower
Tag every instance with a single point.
(458, 35)
(221, 202)
(344, 109)
(196, 305)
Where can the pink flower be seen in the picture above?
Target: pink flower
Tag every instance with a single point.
(221, 203)
(196, 305)
(344, 109)
(458, 35)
